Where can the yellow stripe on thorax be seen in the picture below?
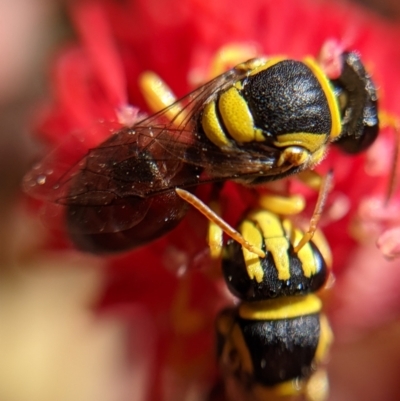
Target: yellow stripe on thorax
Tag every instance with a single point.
(237, 117)
(212, 127)
(280, 308)
(330, 96)
(235, 113)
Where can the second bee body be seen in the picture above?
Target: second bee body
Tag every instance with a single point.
(273, 344)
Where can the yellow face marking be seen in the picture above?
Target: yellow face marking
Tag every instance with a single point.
(306, 256)
(275, 241)
(311, 142)
(330, 96)
(237, 117)
(253, 264)
(212, 127)
(281, 308)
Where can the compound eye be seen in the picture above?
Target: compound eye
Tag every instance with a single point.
(351, 144)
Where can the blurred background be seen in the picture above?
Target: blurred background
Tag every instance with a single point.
(52, 346)
(45, 304)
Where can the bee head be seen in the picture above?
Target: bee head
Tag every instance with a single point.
(358, 104)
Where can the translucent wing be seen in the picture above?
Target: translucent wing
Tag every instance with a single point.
(147, 160)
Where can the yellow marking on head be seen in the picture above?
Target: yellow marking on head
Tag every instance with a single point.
(212, 127)
(336, 128)
(305, 255)
(287, 205)
(237, 117)
(275, 240)
(253, 264)
(281, 308)
(306, 140)
(325, 340)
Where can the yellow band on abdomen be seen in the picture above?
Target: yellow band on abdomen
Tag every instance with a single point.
(281, 308)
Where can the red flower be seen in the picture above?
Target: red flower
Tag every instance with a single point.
(95, 85)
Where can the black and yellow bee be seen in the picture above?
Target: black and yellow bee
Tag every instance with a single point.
(274, 344)
(262, 120)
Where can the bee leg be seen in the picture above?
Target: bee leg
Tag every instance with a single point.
(282, 205)
(156, 92)
(158, 96)
(317, 387)
(215, 233)
(227, 57)
(310, 178)
(326, 185)
(214, 218)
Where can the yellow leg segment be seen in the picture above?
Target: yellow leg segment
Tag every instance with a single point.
(282, 205)
(215, 234)
(310, 178)
(226, 58)
(317, 388)
(159, 96)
